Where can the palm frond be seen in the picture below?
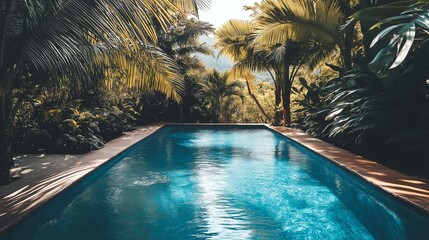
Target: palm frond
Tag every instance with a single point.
(63, 40)
(233, 37)
(150, 69)
(192, 5)
(192, 29)
(280, 20)
(240, 71)
(203, 49)
(235, 30)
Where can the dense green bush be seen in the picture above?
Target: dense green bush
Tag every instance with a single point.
(76, 126)
(208, 97)
(357, 112)
(380, 109)
(159, 108)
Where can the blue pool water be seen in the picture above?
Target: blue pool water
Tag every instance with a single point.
(222, 183)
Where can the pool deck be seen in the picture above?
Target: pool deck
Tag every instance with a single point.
(42, 177)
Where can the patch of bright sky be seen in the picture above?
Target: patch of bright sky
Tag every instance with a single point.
(222, 10)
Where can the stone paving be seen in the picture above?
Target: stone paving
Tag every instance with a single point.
(41, 177)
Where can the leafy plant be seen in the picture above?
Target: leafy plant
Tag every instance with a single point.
(405, 30)
(76, 126)
(76, 44)
(219, 93)
(310, 95)
(358, 114)
(283, 38)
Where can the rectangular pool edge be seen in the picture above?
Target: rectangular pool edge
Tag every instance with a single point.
(325, 150)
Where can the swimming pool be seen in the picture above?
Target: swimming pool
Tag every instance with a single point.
(223, 183)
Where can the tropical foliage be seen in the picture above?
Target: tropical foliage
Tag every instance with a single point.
(282, 38)
(351, 72)
(381, 111)
(372, 99)
(78, 126)
(282, 21)
(181, 43)
(210, 98)
(78, 44)
(220, 95)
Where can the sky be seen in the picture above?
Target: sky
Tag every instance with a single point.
(223, 10)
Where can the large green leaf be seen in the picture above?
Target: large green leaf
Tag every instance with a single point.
(401, 30)
(409, 36)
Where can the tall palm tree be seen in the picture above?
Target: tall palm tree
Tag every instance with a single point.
(234, 39)
(79, 40)
(239, 40)
(181, 42)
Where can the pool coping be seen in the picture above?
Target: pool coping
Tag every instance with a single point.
(409, 189)
(23, 201)
(40, 189)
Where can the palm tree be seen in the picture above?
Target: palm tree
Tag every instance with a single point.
(283, 60)
(80, 41)
(181, 43)
(181, 39)
(218, 91)
(234, 39)
(291, 57)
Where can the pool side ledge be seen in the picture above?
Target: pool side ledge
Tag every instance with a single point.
(44, 184)
(407, 188)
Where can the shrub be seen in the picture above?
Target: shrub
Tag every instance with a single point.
(76, 126)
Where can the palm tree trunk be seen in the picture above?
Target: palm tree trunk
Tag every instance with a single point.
(286, 91)
(256, 101)
(278, 92)
(277, 89)
(347, 52)
(6, 161)
(278, 98)
(286, 104)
